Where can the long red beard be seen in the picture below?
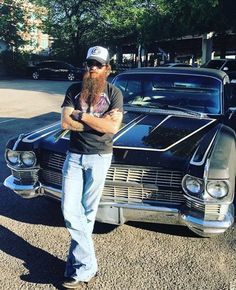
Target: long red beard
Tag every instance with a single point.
(92, 88)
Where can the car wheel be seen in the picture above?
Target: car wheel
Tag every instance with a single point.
(71, 77)
(35, 75)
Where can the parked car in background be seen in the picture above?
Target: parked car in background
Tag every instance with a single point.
(175, 64)
(52, 69)
(227, 65)
(174, 158)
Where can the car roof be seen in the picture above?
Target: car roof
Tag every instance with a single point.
(177, 70)
(52, 60)
(175, 64)
(224, 59)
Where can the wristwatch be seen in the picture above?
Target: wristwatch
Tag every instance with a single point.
(80, 116)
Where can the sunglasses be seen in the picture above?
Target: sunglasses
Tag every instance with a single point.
(95, 63)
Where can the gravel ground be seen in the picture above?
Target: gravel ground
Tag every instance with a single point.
(34, 241)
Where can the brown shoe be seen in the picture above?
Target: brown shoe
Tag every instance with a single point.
(71, 283)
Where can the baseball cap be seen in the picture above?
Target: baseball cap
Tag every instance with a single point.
(99, 54)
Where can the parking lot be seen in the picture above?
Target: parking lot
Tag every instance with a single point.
(34, 241)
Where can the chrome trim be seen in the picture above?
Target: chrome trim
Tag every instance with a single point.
(174, 216)
(199, 163)
(208, 228)
(17, 142)
(52, 192)
(25, 191)
(18, 168)
(27, 140)
(141, 207)
(206, 170)
(160, 123)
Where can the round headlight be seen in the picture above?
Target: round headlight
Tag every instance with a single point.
(217, 188)
(193, 185)
(28, 158)
(12, 157)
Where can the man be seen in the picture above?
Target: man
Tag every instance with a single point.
(92, 110)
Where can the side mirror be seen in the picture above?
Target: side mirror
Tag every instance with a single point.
(232, 111)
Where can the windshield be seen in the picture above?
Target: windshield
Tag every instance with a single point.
(216, 64)
(196, 93)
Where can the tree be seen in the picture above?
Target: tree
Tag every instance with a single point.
(12, 23)
(17, 19)
(70, 22)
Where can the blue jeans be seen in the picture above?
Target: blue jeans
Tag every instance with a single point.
(83, 181)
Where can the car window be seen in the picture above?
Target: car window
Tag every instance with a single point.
(53, 65)
(197, 93)
(183, 65)
(216, 64)
(62, 65)
(42, 64)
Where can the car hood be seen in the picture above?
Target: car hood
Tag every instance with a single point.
(158, 139)
(158, 132)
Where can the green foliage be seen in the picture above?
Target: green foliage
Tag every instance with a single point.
(77, 24)
(70, 22)
(11, 23)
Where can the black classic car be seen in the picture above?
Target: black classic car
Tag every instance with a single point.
(174, 156)
(54, 69)
(227, 65)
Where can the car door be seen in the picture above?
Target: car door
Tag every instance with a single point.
(230, 103)
(63, 70)
(53, 70)
(43, 69)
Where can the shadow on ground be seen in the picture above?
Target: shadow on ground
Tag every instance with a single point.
(165, 229)
(43, 267)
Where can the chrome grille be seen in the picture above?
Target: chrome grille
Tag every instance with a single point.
(52, 177)
(209, 210)
(141, 195)
(125, 183)
(52, 160)
(25, 177)
(155, 176)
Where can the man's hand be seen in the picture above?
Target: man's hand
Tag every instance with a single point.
(68, 120)
(108, 123)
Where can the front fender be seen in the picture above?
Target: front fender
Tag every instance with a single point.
(221, 163)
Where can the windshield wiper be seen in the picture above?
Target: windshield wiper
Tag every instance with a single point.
(191, 112)
(146, 104)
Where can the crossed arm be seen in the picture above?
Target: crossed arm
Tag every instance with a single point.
(109, 123)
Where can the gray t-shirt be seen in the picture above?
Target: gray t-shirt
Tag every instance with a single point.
(91, 141)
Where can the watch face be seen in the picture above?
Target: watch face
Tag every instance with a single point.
(80, 115)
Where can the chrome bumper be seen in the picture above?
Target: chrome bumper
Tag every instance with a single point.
(25, 191)
(119, 213)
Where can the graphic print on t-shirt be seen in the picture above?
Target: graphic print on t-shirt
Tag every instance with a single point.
(99, 109)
